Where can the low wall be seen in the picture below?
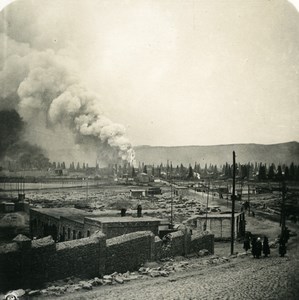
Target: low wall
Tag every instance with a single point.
(200, 241)
(29, 263)
(32, 263)
(128, 252)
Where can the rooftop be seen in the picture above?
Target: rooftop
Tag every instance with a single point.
(67, 212)
(122, 219)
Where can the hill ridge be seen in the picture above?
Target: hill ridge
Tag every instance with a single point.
(280, 153)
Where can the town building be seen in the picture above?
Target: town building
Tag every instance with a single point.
(218, 224)
(65, 224)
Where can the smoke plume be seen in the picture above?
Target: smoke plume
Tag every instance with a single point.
(12, 146)
(44, 87)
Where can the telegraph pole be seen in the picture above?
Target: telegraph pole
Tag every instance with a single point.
(233, 206)
(282, 213)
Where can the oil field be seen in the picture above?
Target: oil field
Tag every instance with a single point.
(149, 149)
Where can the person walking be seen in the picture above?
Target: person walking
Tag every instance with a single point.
(266, 248)
(253, 246)
(246, 243)
(282, 247)
(258, 247)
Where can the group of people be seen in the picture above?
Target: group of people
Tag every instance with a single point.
(257, 246)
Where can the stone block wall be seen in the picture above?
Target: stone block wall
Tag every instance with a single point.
(80, 258)
(39, 261)
(129, 252)
(158, 248)
(30, 263)
(180, 243)
(200, 241)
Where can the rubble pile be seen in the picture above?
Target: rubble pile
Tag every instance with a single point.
(150, 270)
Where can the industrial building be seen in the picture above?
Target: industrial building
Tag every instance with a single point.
(218, 224)
(65, 224)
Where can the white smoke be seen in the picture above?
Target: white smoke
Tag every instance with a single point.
(46, 90)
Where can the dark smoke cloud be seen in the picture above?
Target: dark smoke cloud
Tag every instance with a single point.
(43, 86)
(11, 127)
(13, 148)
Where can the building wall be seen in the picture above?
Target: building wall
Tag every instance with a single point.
(116, 228)
(220, 227)
(42, 225)
(70, 229)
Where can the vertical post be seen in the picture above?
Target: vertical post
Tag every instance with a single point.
(233, 205)
(248, 198)
(171, 212)
(282, 216)
(206, 224)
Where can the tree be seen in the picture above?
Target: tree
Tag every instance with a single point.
(78, 166)
(133, 172)
(271, 173)
(262, 172)
(190, 173)
(279, 173)
(292, 171)
(144, 169)
(286, 173)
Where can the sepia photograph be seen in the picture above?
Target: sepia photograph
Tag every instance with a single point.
(149, 149)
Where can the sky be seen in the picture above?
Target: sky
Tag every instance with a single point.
(176, 72)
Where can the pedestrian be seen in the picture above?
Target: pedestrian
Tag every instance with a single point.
(253, 246)
(259, 247)
(282, 247)
(266, 248)
(246, 244)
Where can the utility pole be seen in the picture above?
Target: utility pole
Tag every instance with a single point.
(248, 198)
(171, 213)
(282, 213)
(233, 205)
(206, 223)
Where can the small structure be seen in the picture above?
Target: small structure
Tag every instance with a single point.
(218, 224)
(138, 193)
(143, 178)
(181, 191)
(7, 207)
(154, 191)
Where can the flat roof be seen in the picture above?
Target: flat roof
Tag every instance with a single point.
(122, 219)
(57, 212)
(215, 216)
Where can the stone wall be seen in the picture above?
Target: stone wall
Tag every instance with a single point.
(200, 241)
(29, 263)
(180, 243)
(130, 251)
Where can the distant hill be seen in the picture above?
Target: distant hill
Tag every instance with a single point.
(276, 153)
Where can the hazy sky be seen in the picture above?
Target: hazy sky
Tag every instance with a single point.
(178, 72)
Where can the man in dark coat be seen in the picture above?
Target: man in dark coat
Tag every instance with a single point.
(258, 247)
(253, 246)
(266, 248)
(282, 247)
(246, 244)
